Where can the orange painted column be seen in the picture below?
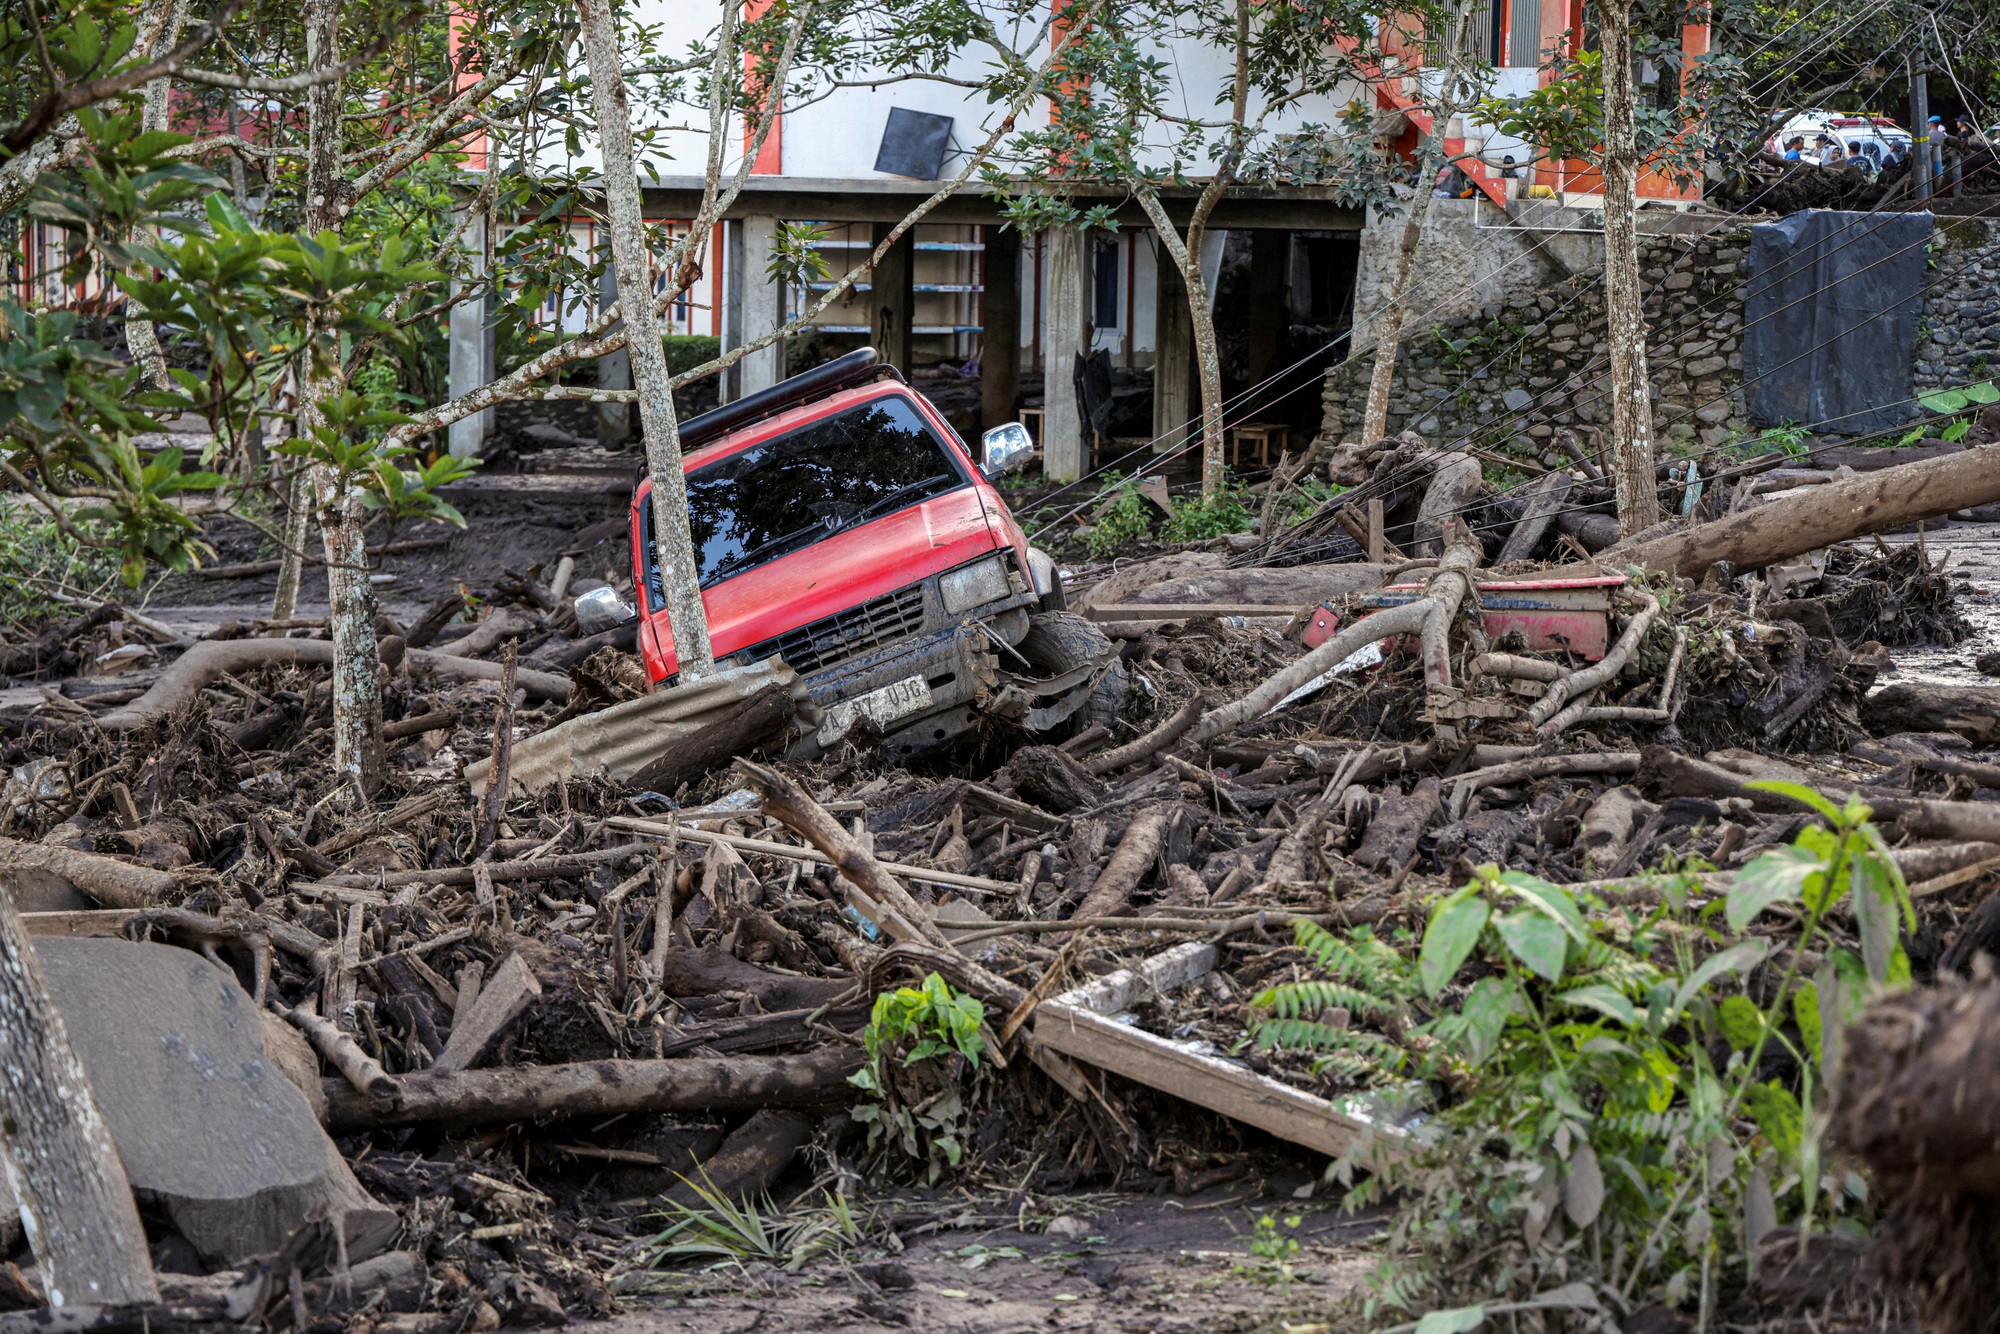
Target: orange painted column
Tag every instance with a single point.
(771, 157)
(465, 73)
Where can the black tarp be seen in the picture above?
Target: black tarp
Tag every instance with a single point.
(1830, 319)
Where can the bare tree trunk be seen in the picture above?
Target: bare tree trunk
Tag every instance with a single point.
(357, 686)
(1184, 253)
(76, 1204)
(1389, 319)
(1624, 300)
(1208, 364)
(296, 494)
(672, 540)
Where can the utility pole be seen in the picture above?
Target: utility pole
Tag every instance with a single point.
(1920, 118)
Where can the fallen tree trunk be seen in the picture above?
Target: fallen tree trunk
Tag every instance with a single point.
(212, 659)
(56, 1148)
(1543, 503)
(712, 970)
(113, 883)
(602, 1088)
(204, 665)
(1137, 851)
(1427, 616)
(752, 1159)
(1153, 742)
(1971, 711)
(539, 685)
(1824, 515)
(1919, 1100)
(737, 730)
(1677, 775)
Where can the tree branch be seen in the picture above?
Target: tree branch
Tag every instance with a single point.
(291, 83)
(60, 102)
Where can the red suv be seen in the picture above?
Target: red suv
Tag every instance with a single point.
(840, 524)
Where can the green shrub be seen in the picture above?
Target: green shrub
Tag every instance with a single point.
(1199, 520)
(1120, 516)
(922, 1044)
(1605, 1108)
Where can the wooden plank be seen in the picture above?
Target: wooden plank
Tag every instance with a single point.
(79, 922)
(1181, 611)
(1162, 972)
(1077, 1025)
(1207, 1081)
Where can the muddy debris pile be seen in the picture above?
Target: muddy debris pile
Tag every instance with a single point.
(515, 1033)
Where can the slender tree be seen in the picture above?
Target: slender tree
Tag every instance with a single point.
(1117, 119)
(1624, 298)
(680, 576)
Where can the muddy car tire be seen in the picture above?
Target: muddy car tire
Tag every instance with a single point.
(1058, 641)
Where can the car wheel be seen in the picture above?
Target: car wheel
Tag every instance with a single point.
(1059, 641)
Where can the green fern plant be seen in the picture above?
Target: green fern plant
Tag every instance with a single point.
(1364, 978)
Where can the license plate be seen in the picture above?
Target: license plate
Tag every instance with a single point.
(882, 706)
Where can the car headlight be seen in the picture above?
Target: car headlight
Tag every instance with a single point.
(972, 585)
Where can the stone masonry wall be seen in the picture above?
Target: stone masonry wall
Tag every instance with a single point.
(1960, 342)
(1512, 373)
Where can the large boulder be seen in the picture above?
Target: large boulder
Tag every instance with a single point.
(204, 1122)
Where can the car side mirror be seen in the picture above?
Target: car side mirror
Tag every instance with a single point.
(1005, 448)
(601, 609)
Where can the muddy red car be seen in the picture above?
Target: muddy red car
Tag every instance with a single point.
(841, 525)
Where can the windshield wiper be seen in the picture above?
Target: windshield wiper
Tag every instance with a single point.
(744, 558)
(894, 499)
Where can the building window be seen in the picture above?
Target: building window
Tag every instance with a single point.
(1105, 306)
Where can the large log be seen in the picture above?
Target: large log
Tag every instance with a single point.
(1112, 892)
(602, 1088)
(1781, 529)
(113, 883)
(1191, 578)
(1971, 711)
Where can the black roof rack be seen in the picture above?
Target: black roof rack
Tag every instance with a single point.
(856, 367)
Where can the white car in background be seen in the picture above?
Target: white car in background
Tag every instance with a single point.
(1876, 136)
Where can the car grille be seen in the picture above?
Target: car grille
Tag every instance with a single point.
(844, 634)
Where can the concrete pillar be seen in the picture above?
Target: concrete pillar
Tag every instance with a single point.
(1270, 298)
(892, 298)
(1173, 356)
(750, 305)
(614, 371)
(1065, 329)
(471, 348)
(1000, 306)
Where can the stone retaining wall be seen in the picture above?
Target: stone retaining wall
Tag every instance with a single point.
(1513, 372)
(1959, 341)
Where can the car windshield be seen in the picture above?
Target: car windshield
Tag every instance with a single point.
(786, 493)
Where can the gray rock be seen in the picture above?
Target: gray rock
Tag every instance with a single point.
(202, 1119)
(1518, 400)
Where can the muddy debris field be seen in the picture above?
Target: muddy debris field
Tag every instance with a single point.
(537, 1035)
